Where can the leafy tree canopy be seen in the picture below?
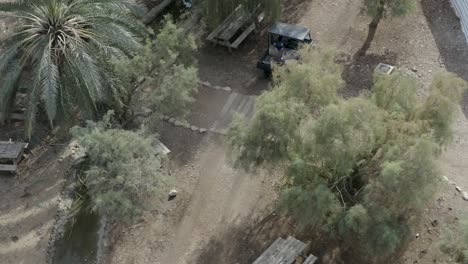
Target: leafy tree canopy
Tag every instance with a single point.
(125, 171)
(63, 49)
(168, 66)
(454, 243)
(360, 168)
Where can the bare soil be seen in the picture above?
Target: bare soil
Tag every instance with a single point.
(29, 205)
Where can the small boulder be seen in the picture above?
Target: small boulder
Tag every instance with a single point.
(465, 196)
(458, 188)
(177, 123)
(194, 128)
(172, 195)
(227, 89)
(171, 120)
(207, 84)
(203, 130)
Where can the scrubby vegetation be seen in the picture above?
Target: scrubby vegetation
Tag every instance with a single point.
(360, 169)
(168, 67)
(455, 242)
(125, 173)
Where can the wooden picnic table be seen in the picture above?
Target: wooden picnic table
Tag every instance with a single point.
(226, 31)
(10, 154)
(284, 251)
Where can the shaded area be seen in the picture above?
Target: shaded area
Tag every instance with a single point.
(79, 243)
(245, 242)
(451, 43)
(358, 73)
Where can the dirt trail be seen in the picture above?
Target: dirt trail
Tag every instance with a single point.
(222, 196)
(213, 197)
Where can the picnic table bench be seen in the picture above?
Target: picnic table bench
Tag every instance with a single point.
(226, 33)
(10, 155)
(284, 251)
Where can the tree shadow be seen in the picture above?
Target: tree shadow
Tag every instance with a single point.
(448, 35)
(358, 72)
(243, 243)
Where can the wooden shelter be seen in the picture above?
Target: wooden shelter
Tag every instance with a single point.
(285, 251)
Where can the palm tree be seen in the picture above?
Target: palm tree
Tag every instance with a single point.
(66, 48)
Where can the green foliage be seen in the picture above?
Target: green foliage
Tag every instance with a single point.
(362, 166)
(125, 172)
(454, 243)
(168, 66)
(215, 11)
(439, 109)
(391, 7)
(66, 46)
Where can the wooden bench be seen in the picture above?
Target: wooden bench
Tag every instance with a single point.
(243, 36)
(224, 33)
(8, 168)
(284, 251)
(310, 260)
(10, 155)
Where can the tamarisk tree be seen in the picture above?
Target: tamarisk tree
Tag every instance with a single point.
(125, 173)
(168, 66)
(359, 168)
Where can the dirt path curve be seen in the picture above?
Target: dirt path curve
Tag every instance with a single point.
(212, 197)
(222, 196)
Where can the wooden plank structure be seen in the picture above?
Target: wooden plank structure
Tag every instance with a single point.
(227, 33)
(162, 148)
(284, 251)
(10, 155)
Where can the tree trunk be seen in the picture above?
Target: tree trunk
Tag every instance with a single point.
(372, 30)
(154, 12)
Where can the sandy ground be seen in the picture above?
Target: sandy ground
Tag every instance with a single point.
(29, 205)
(213, 198)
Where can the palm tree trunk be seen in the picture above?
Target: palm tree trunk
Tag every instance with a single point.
(372, 30)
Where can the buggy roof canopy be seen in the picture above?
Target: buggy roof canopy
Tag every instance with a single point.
(289, 31)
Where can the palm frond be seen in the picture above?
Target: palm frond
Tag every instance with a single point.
(31, 109)
(69, 45)
(49, 84)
